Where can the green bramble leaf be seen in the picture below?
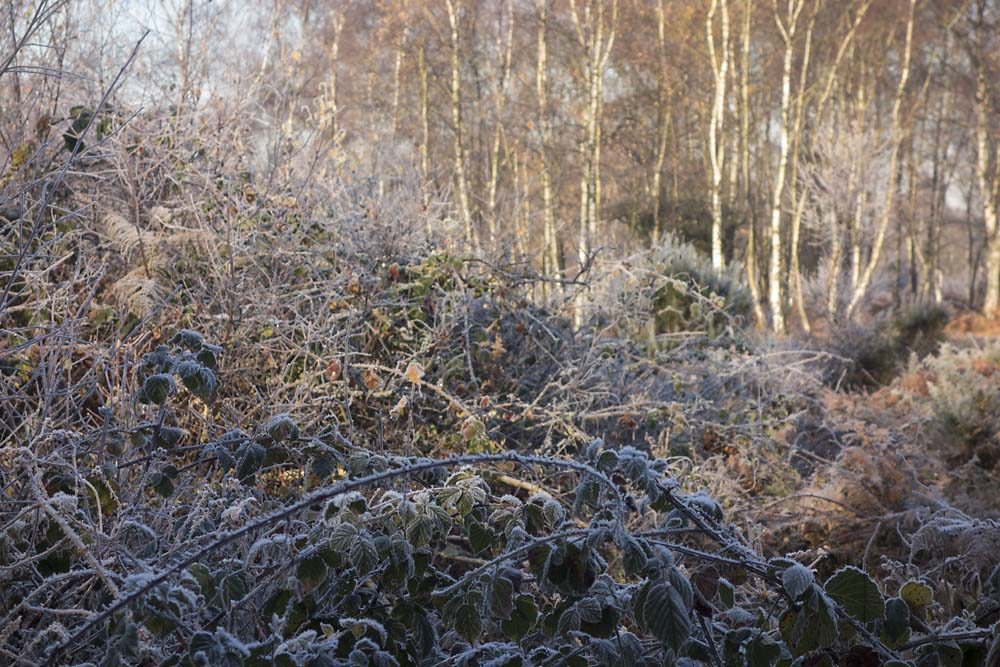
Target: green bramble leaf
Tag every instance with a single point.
(522, 618)
(665, 614)
(896, 628)
(859, 596)
(198, 379)
(281, 427)
(311, 572)
(192, 340)
(158, 388)
(797, 580)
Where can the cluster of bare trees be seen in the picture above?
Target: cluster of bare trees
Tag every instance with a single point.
(838, 152)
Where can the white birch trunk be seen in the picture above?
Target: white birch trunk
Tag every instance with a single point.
(719, 58)
(887, 206)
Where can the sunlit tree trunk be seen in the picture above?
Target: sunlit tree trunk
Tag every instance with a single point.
(787, 27)
(732, 188)
(454, 22)
(184, 27)
(504, 46)
(425, 126)
(939, 177)
(596, 40)
(836, 237)
(799, 200)
(836, 257)
(887, 206)
(551, 266)
(329, 109)
(662, 116)
(396, 69)
(522, 210)
(794, 271)
(861, 199)
(719, 60)
(919, 278)
(751, 207)
(988, 183)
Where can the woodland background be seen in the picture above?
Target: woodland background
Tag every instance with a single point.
(840, 152)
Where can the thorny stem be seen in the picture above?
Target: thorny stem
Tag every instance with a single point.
(322, 496)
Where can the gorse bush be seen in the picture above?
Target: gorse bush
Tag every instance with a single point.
(672, 293)
(865, 357)
(920, 329)
(277, 546)
(965, 399)
(871, 356)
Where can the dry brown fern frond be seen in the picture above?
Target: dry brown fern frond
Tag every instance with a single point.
(137, 292)
(126, 238)
(952, 538)
(151, 257)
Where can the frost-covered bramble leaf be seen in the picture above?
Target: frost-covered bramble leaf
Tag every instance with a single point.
(281, 427)
(664, 613)
(588, 493)
(634, 554)
(167, 437)
(797, 580)
(363, 555)
(569, 621)
(706, 505)
(343, 537)
(896, 628)
(859, 596)
(501, 597)
(420, 530)
(590, 610)
(218, 648)
(811, 627)
(481, 537)
(159, 360)
(522, 618)
(235, 587)
(762, 651)
(223, 457)
(553, 512)
(464, 614)
(632, 463)
(162, 480)
(569, 568)
(311, 572)
(198, 379)
(461, 493)
(249, 457)
(158, 388)
(192, 340)
(209, 355)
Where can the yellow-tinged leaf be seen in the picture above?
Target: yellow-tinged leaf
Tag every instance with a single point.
(472, 428)
(916, 594)
(414, 372)
(22, 153)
